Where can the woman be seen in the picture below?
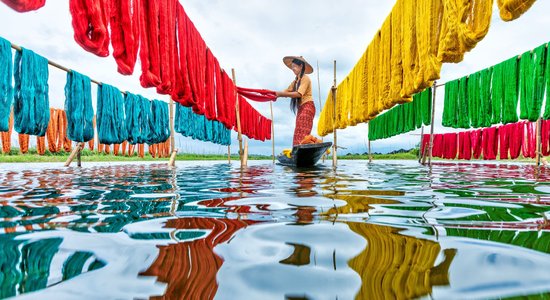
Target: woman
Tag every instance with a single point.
(300, 92)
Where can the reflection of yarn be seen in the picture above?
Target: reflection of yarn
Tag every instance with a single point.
(395, 266)
(75, 264)
(27, 265)
(177, 264)
(37, 257)
(9, 260)
(6, 137)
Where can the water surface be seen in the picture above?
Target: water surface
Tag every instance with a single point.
(204, 230)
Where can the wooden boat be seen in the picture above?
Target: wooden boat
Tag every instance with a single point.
(303, 156)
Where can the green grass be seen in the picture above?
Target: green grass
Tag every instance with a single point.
(88, 156)
(407, 155)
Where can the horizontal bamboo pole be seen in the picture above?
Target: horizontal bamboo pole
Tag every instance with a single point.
(54, 64)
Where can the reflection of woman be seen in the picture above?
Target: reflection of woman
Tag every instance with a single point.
(302, 100)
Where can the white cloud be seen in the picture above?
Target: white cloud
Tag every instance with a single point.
(252, 37)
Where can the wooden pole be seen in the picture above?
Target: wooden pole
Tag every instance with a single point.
(76, 150)
(319, 87)
(420, 152)
(432, 124)
(539, 138)
(173, 150)
(229, 154)
(54, 64)
(172, 132)
(172, 161)
(79, 157)
(245, 154)
(272, 132)
(368, 142)
(240, 136)
(335, 145)
(320, 102)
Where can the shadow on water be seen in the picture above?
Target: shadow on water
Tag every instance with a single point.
(391, 230)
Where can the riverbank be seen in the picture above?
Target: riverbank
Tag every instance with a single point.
(91, 156)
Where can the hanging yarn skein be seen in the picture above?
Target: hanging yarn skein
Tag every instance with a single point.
(531, 79)
(138, 112)
(31, 106)
(546, 115)
(110, 115)
(513, 9)
(125, 34)
(6, 87)
(149, 44)
(90, 21)
(260, 95)
(160, 129)
(189, 124)
(78, 106)
(24, 5)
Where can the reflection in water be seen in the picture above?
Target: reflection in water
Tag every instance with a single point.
(29, 266)
(208, 230)
(299, 257)
(392, 261)
(189, 268)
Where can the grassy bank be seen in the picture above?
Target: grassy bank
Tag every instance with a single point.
(88, 156)
(411, 155)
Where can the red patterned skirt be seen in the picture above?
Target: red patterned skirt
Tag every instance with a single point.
(304, 122)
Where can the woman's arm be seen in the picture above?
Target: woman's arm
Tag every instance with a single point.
(288, 94)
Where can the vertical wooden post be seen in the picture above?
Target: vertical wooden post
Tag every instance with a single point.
(172, 161)
(229, 153)
(76, 150)
(539, 138)
(319, 95)
(172, 132)
(432, 124)
(368, 142)
(335, 145)
(240, 136)
(79, 157)
(272, 132)
(370, 154)
(245, 153)
(173, 150)
(420, 152)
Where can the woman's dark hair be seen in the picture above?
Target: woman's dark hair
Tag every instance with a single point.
(294, 101)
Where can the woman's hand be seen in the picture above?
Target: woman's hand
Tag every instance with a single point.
(278, 94)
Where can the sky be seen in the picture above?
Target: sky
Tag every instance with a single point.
(253, 36)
